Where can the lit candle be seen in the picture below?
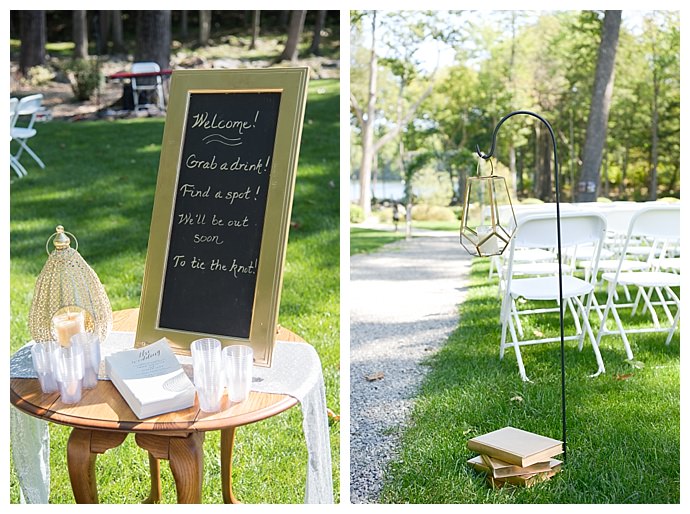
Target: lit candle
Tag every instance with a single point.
(66, 325)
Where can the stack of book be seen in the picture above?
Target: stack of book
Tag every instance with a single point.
(515, 456)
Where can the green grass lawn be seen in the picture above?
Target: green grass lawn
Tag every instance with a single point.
(99, 183)
(623, 426)
(364, 240)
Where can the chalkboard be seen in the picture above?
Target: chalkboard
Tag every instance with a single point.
(220, 202)
(222, 207)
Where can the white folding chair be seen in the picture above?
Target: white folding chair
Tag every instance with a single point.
(14, 162)
(153, 83)
(27, 106)
(539, 231)
(660, 223)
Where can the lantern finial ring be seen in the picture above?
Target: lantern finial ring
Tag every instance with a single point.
(60, 239)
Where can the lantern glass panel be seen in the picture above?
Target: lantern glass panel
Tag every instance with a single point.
(488, 219)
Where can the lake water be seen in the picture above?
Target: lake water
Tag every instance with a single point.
(393, 190)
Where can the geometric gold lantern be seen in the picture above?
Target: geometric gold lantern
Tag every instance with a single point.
(67, 286)
(488, 219)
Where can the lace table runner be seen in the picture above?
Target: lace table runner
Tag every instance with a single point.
(295, 371)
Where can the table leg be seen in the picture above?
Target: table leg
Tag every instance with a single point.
(155, 467)
(82, 448)
(227, 440)
(186, 456)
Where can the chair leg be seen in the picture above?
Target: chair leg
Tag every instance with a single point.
(578, 327)
(517, 318)
(505, 321)
(619, 323)
(521, 366)
(588, 329)
(672, 330)
(611, 307)
(648, 304)
(24, 146)
(17, 167)
(664, 305)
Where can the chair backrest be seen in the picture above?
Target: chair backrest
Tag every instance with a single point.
(27, 106)
(145, 67)
(13, 111)
(659, 223)
(30, 104)
(656, 222)
(539, 230)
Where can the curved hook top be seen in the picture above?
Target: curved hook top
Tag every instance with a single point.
(486, 156)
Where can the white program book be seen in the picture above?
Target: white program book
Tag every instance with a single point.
(150, 379)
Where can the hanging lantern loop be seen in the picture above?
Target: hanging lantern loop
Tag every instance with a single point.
(479, 169)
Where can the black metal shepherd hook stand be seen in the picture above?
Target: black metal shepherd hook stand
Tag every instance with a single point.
(558, 229)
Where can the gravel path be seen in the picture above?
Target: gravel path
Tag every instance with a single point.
(403, 308)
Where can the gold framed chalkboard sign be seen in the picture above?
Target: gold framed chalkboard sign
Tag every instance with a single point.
(221, 212)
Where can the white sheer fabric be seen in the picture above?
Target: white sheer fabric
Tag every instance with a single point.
(295, 371)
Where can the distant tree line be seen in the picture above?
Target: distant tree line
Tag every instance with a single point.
(611, 92)
(148, 35)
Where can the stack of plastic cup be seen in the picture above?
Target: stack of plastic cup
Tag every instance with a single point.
(208, 373)
(70, 372)
(238, 361)
(43, 358)
(91, 346)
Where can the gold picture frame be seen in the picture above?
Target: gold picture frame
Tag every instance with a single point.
(169, 286)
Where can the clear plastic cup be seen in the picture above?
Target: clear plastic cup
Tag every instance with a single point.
(42, 356)
(238, 361)
(208, 373)
(70, 372)
(91, 346)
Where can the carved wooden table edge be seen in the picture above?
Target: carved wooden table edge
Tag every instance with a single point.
(180, 442)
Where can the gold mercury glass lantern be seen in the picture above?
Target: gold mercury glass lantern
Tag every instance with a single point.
(68, 288)
(488, 219)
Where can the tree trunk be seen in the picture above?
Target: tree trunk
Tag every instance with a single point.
(118, 38)
(624, 171)
(153, 37)
(537, 161)
(315, 49)
(513, 168)
(294, 34)
(293, 37)
(80, 35)
(32, 33)
(184, 25)
(256, 28)
(104, 31)
(544, 168)
(368, 128)
(519, 181)
(653, 175)
(599, 111)
(204, 27)
(605, 174)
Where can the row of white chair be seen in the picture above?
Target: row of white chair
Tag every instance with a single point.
(27, 107)
(537, 280)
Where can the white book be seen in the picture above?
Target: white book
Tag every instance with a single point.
(150, 379)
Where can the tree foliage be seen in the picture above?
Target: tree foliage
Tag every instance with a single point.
(544, 62)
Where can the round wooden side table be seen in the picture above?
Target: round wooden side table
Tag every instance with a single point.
(102, 420)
